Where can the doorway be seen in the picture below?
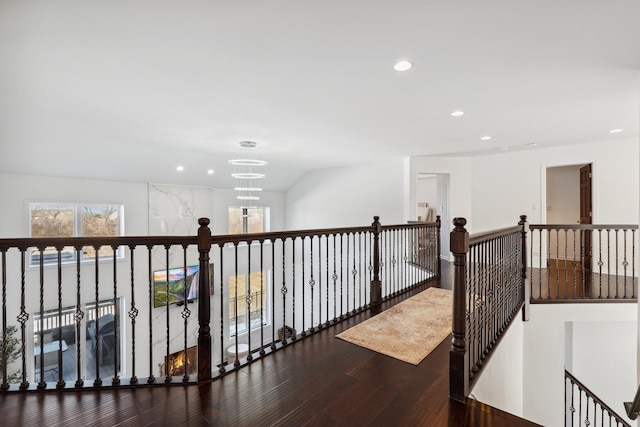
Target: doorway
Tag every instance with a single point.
(432, 199)
(569, 198)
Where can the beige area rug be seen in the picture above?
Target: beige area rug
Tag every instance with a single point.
(408, 331)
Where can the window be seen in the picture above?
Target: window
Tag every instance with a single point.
(256, 303)
(248, 220)
(73, 220)
(59, 333)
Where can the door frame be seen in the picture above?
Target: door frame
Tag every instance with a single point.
(543, 187)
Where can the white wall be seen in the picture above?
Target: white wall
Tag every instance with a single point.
(604, 359)
(501, 382)
(348, 197)
(507, 185)
(17, 190)
(544, 354)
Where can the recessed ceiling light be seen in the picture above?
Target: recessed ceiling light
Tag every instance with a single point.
(210, 171)
(248, 198)
(615, 130)
(457, 113)
(503, 148)
(403, 66)
(180, 168)
(532, 144)
(485, 138)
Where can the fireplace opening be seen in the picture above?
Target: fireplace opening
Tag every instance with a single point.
(181, 363)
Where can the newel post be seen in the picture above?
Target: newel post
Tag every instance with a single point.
(458, 360)
(376, 284)
(524, 290)
(204, 301)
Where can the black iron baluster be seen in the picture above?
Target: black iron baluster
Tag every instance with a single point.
(224, 316)
(22, 318)
(312, 283)
(3, 357)
(167, 359)
(347, 271)
(151, 379)
(284, 291)
(61, 383)
(273, 293)
(616, 262)
(303, 244)
(608, 263)
(293, 287)
(97, 382)
(326, 241)
(41, 383)
(625, 263)
(186, 313)
(341, 276)
(236, 277)
(133, 314)
(249, 301)
(116, 319)
(262, 293)
(633, 263)
(354, 272)
(335, 281)
(319, 282)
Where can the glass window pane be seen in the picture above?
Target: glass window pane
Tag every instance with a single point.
(255, 220)
(100, 221)
(235, 220)
(51, 220)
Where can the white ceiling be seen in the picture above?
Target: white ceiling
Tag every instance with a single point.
(128, 90)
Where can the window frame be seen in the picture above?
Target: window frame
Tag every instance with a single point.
(245, 219)
(266, 300)
(69, 254)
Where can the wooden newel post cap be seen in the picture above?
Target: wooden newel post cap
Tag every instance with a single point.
(459, 237)
(523, 219)
(376, 224)
(459, 223)
(204, 222)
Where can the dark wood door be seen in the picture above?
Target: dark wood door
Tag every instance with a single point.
(586, 218)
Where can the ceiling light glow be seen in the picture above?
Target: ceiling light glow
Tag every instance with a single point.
(248, 175)
(485, 138)
(247, 162)
(248, 189)
(457, 113)
(616, 130)
(180, 168)
(248, 198)
(210, 171)
(403, 66)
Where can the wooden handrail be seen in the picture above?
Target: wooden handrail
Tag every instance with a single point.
(595, 398)
(584, 226)
(633, 408)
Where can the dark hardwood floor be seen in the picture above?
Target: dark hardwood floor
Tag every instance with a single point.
(319, 381)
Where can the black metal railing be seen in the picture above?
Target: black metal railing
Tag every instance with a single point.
(583, 262)
(126, 316)
(584, 408)
(488, 291)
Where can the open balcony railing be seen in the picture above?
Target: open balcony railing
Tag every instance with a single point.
(584, 263)
(584, 408)
(488, 290)
(184, 309)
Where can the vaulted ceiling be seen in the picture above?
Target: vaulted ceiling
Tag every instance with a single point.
(129, 90)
